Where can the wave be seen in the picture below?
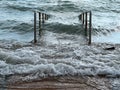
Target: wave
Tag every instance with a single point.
(23, 28)
(18, 7)
(63, 6)
(63, 28)
(16, 26)
(39, 62)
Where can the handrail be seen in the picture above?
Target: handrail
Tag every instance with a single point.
(41, 18)
(86, 19)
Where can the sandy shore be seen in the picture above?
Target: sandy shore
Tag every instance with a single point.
(62, 83)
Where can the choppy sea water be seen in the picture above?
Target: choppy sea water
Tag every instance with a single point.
(16, 17)
(61, 50)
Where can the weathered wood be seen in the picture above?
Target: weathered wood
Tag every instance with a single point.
(80, 17)
(35, 38)
(40, 28)
(90, 28)
(43, 18)
(46, 17)
(83, 19)
(86, 25)
(110, 48)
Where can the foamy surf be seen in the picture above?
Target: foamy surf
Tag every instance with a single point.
(56, 58)
(57, 55)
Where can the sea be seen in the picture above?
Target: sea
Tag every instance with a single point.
(61, 49)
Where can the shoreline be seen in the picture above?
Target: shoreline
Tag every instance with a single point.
(64, 83)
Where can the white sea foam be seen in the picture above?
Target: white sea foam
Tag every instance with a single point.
(53, 58)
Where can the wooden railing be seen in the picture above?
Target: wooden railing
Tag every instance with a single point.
(86, 19)
(40, 18)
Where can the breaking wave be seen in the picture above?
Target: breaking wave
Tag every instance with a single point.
(62, 49)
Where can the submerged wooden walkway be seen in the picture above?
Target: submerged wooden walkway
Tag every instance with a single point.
(85, 18)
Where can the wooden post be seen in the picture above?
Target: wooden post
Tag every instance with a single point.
(40, 23)
(79, 17)
(86, 24)
(35, 38)
(90, 28)
(43, 18)
(83, 18)
(46, 17)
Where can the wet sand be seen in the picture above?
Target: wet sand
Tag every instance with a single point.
(63, 83)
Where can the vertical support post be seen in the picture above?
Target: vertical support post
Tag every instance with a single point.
(90, 28)
(46, 17)
(40, 23)
(35, 38)
(86, 21)
(43, 18)
(80, 17)
(83, 19)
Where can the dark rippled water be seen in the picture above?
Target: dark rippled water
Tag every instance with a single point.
(16, 17)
